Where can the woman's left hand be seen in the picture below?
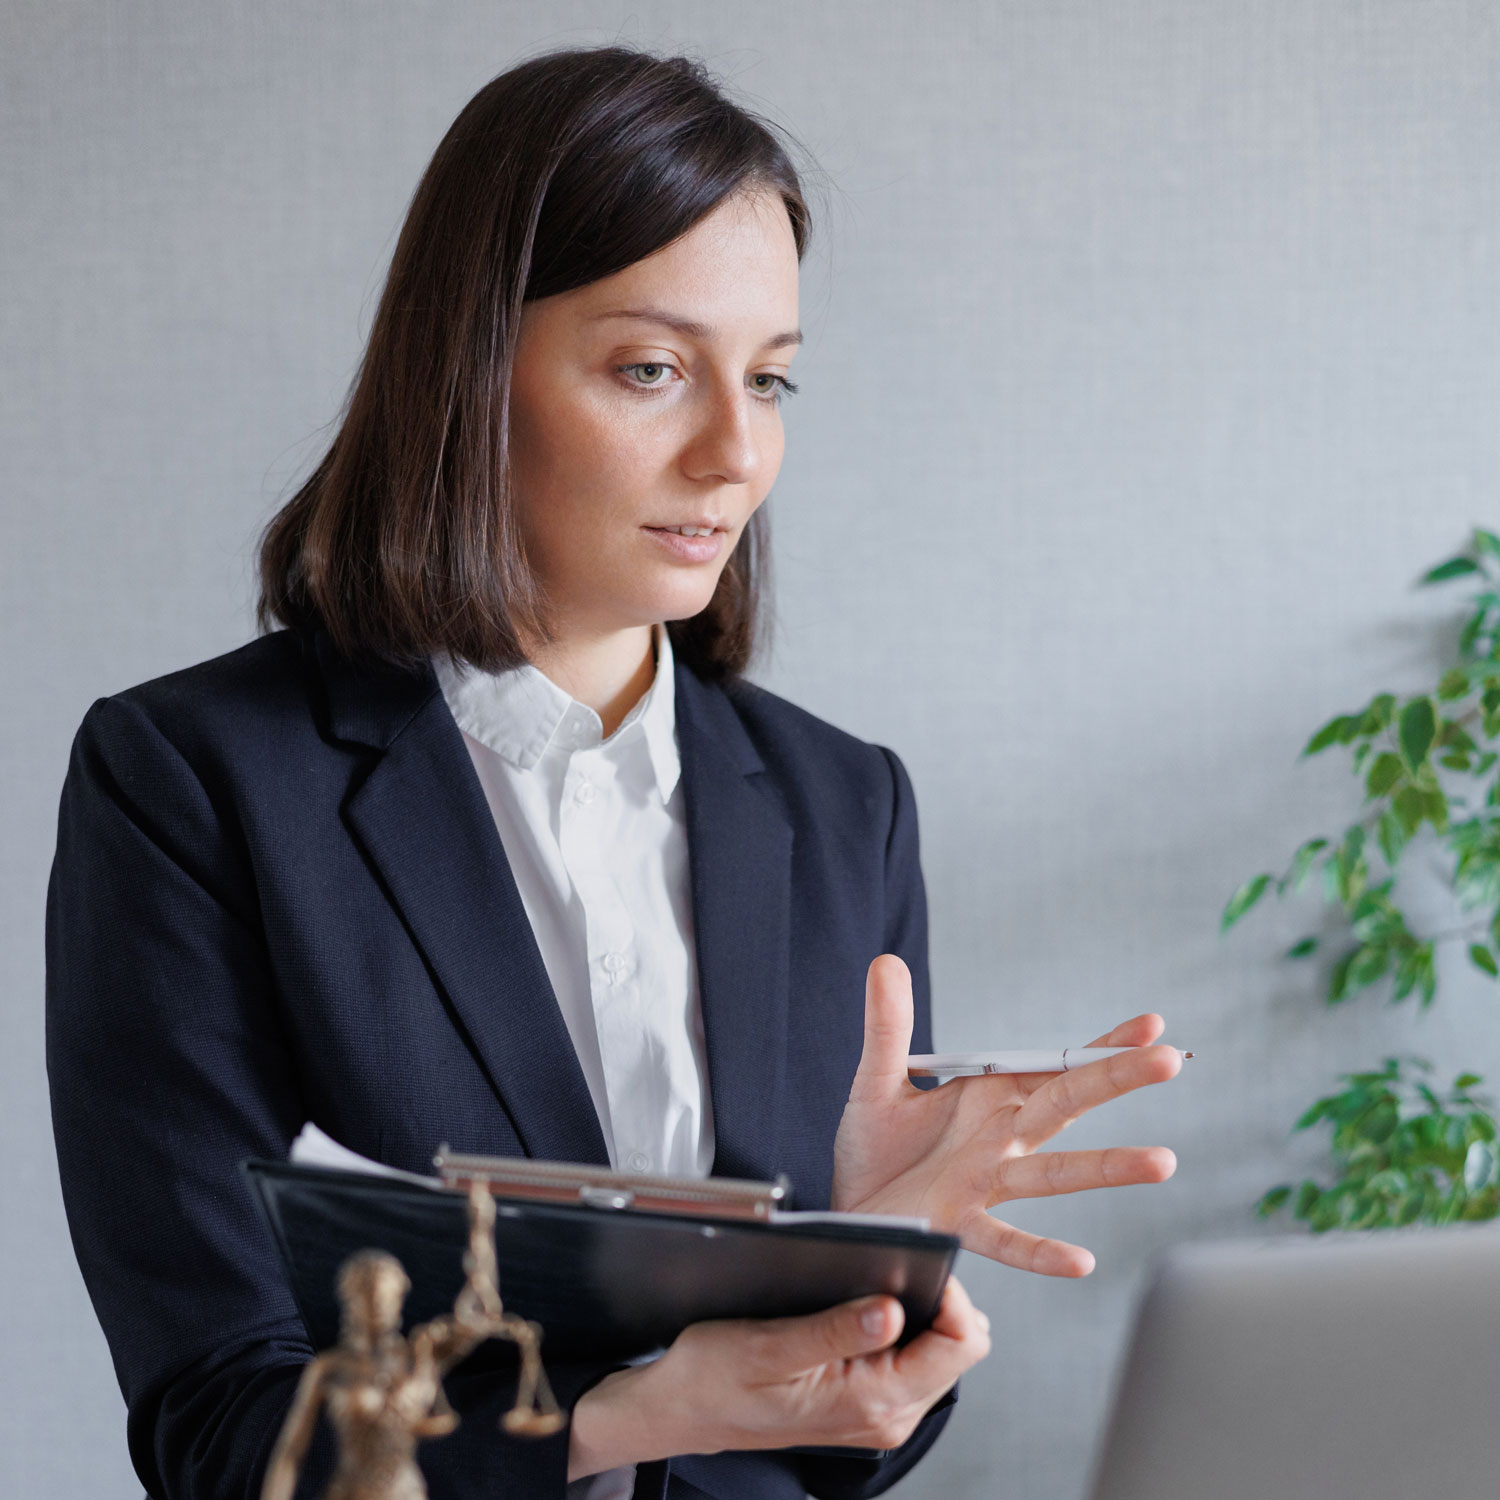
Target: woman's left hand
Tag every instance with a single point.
(948, 1154)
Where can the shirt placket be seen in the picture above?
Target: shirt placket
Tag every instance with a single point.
(588, 827)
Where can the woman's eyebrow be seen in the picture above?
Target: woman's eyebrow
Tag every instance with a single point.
(690, 327)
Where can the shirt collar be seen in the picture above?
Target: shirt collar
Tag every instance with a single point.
(520, 713)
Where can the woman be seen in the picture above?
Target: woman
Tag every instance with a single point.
(491, 843)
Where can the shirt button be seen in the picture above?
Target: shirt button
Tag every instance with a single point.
(637, 1161)
(614, 962)
(584, 792)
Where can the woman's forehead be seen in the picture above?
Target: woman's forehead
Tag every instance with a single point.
(734, 275)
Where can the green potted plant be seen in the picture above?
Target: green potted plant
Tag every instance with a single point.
(1403, 1151)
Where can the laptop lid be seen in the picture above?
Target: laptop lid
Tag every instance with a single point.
(1360, 1365)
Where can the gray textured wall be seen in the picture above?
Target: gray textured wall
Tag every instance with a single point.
(1152, 352)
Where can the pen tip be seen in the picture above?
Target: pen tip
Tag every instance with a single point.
(1187, 1054)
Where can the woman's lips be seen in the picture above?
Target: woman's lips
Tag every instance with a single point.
(691, 549)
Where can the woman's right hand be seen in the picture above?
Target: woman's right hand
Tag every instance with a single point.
(830, 1380)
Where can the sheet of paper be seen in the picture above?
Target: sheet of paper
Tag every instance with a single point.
(832, 1216)
(315, 1148)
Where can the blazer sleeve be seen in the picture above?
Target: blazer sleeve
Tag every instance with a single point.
(828, 1475)
(168, 1063)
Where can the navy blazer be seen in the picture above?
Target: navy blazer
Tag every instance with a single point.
(279, 896)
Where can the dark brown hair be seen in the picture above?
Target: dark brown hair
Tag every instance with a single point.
(563, 170)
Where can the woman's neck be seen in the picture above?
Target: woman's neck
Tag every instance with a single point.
(609, 673)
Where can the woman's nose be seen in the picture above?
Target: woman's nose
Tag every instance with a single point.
(725, 445)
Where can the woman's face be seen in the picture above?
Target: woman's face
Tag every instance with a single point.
(646, 402)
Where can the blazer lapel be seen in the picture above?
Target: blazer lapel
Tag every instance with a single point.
(739, 852)
(421, 816)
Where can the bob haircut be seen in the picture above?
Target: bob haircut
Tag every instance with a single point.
(404, 543)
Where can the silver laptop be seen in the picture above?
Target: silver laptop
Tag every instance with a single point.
(1364, 1366)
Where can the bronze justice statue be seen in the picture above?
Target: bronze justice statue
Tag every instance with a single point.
(383, 1391)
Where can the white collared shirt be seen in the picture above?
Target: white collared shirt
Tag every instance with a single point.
(596, 836)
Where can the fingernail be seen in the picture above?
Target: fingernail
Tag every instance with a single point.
(984, 1322)
(872, 1320)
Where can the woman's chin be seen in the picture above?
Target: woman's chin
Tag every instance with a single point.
(681, 598)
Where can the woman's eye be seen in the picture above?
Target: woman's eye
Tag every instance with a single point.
(776, 387)
(650, 372)
(647, 375)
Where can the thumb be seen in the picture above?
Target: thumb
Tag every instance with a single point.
(888, 1023)
(784, 1347)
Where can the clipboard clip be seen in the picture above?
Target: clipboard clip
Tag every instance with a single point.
(600, 1187)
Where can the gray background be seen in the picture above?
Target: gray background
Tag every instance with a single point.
(1152, 354)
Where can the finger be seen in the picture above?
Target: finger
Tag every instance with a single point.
(888, 1024)
(1138, 1031)
(997, 1240)
(778, 1348)
(959, 1337)
(1054, 1172)
(1066, 1096)
(956, 1315)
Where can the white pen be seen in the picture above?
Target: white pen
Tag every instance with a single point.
(971, 1064)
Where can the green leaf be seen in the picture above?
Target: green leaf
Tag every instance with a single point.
(1408, 971)
(1380, 1121)
(1455, 567)
(1476, 875)
(1390, 834)
(1426, 973)
(1435, 808)
(1472, 630)
(1372, 961)
(1303, 949)
(1242, 900)
(1373, 916)
(1273, 1200)
(1467, 1080)
(1326, 1213)
(1411, 808)
(1487, 542)
(1337, 731)
(1484, 959)
(1338, 978)
(1302, 862)
(1454, 683)
(1453, 736)
(1348, 867)
(1416, 730)
(1385, 772)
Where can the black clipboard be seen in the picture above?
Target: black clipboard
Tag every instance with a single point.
(604, 1283)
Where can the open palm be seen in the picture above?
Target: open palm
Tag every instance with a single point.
(949, 1154)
